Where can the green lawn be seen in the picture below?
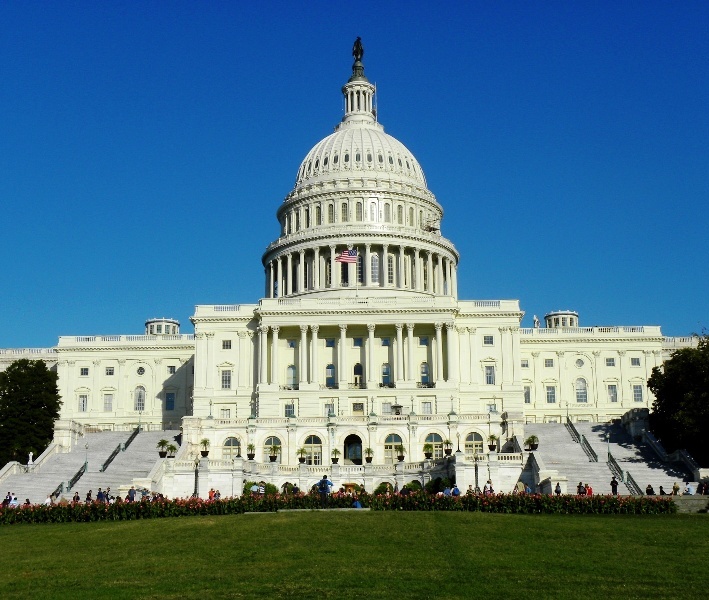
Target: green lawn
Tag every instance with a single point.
(359, 554)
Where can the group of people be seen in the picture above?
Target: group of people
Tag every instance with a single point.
(106, 497)
(11, 501)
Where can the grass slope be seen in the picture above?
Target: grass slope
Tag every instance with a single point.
(359, 554)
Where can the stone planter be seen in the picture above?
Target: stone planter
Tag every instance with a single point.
(533, 447)
(250, 456)
(204, 453)
(400, 457)
(301, 459)
(428, 455)
(492, 447)
(162, 454)
(272, 458)
(335, 460)
(448, 451)
(368, 459)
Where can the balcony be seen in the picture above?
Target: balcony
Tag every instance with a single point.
(292, 386)
(426, 385)
(391, 384)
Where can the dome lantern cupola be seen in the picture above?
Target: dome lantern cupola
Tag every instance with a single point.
(358, 91)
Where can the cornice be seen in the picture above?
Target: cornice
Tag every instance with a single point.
(587, 339)
(131, 348)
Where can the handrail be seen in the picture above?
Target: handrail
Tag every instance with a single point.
(77, 476)
(109, 460)
(655, 445)
(632, 485)
(58, 490)
(136, 431)
(590, 452)
(615, 467)
(572, 430)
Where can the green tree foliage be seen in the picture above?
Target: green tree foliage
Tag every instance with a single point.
(29, 405)
(680, 417)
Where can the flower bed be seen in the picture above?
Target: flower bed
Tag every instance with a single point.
(420, 501)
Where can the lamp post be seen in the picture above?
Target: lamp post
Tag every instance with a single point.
(210, 410)
(608, 444)
(458, 436)
(140, 417)
(86, 457)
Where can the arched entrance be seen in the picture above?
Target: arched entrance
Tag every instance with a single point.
(353, 450)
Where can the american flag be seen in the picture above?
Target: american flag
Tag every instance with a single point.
(347, 256)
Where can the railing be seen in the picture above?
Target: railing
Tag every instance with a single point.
(58, 490)
(614, 467)
(391, 384)
(590, 452)
(179, 337)
(133, 435)
(510, 457)
(109, 460)
(655, 445)
(571, 428)
(430, 384)
(77, 476)
(28, 351)
(543, 331)
(332, 386)
(632, 485)
(356, 386)
(293, 386)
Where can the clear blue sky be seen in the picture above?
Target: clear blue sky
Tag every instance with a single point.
(145, 147)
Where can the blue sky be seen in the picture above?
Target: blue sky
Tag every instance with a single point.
(145, 147)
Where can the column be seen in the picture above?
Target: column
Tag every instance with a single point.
(301, 271)
(439, 275)
(279, 278)
(429, 270)
(263, 357)
(439, 351)
(474, 365)
(270, 279)
(453, 360)
(334, 277)
(399, 352)
(410, 348)
(275, 375)
(454, 279)
(516, 356)
(370, 356)
(289, 274)
(417, 269)
(303, 355)
(316, 269)
(401, 267)
(367, 265)
(341, 370)
(384, 268)
(314, 366)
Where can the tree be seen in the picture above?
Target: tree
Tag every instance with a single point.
(29, 405)
(680, 417)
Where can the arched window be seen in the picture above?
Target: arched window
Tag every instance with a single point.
(358, 211)
(291, 376)
(390, 269)
(330, 213)
(387, 213)
(373, 212)
(231, 448)
(473, 445)
(358, 373)
(318, 215)
(400, 215)
(581, 390)
(411, 217)
(313, 450)
(386, 374)
(425, 378)
(268, 447)
(437, 442)
(420, 218)
(344, 212)
(297, 220)
(139, 399)
(375, 269)
(390, 444)
(330, 381)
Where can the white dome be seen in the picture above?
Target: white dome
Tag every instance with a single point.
(360, 149)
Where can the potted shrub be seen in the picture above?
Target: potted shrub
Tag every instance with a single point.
(302, 453)
(492, 442)
(205, 447)
(400, 451)
(428, 450)
(250, 451)
(532, 442)
(335, 456)
(171, 450)
(162, 448)
(448, 447)
(273, 453)
(368, 453)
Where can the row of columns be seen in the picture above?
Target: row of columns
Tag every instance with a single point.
(430, 272)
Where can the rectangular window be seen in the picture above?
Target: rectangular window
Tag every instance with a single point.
(490, 374)
(109, 371)
(385, 342)
(492, 408)
(612, 392)
(171, 370)
(330, 343)
(108, 402)
(525, 363)
(84, 372)
(634, 361)
(226, 344)
(637, 393)
(358, 408)
(386, 408)
(170, 401)
(488, 340)
(423, 340)
(551, 394)
(291, 343)
(527, 394)
(83, 403)
(329, 409)
(290, 410)
(225, 413)
(610, 362)
(226, 379)
(357, 342)
(426, 408)
(159, 328)
(548, 362)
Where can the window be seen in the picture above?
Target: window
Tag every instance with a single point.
(83, 402)
(473, 445)
(610, 362)
(548, 362)
(637, 393)
(358, 408)
(525, 363)
(171, 370)
(581, 391)
(358, 211)
(492, 408)
(399, 212)
(375, 269)
(271, 441)
(140, 370)
(290, 410)
(330, 213)
(390, 270)
(427, 408)
(551, 394)
(425, 377)
(360, 269)
(84, 372)
(108, 402)
(373, 212)
(109, 371)
(291, 343)
(386, 374)
(291, 376)
(423, 340)
(226, 344)
(527, 394)
(330, 343)
(437, 442)
(490, 374)
(139, 399)
(358, 373)
(385, 342)
(612, 392)
(329, 409)
(357, 342)
(390, 444)
(386, 408)
(318, 214)
(225, 413)
(330, 376)
(634, 361)
(158, 328)
(344, 212)
(226, 379)
(488, 340)
(231, 448)
(579, 362)
(313, 450)
(170, 401)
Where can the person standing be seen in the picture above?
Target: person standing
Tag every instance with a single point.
(675, 489)
(614, 486)
(557, 489)
(324, 486)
